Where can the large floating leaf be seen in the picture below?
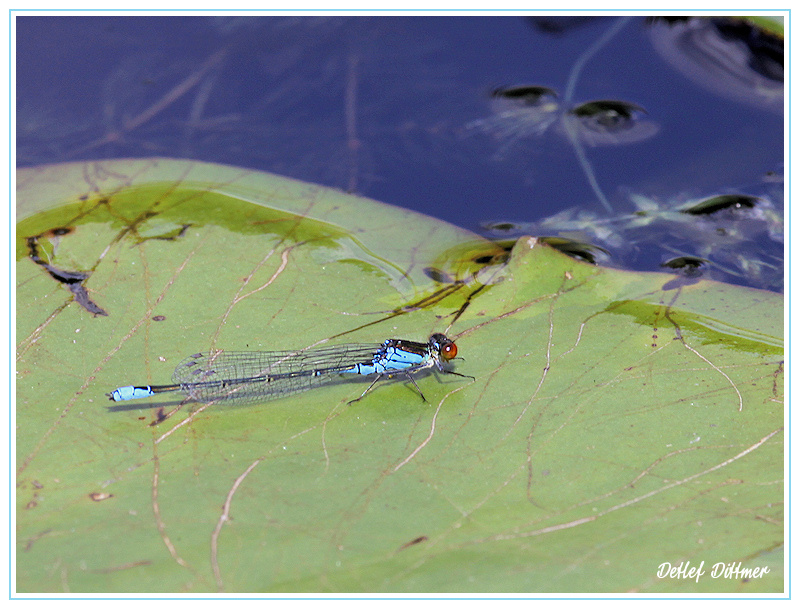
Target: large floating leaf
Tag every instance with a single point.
(617, 421)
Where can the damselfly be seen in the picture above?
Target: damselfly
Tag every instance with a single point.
(266, 375)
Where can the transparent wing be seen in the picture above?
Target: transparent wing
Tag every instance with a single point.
(247, 376)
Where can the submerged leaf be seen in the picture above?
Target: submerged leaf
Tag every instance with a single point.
(720, 203)
(526, 95)
(608, 121)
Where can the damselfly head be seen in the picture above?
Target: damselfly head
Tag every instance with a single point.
(445, 347)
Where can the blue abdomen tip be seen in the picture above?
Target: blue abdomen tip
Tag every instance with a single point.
(130, 393)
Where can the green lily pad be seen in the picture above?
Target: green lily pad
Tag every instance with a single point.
(616, 422)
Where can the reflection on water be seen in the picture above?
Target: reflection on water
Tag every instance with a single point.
(396, 108)
(526, 111)
(735, 238)
(728, 56)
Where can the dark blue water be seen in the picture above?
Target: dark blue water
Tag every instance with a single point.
(391, 108)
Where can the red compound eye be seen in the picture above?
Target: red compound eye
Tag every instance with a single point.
(449, 350)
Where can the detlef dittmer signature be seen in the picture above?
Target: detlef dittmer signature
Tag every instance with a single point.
(731, 570)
